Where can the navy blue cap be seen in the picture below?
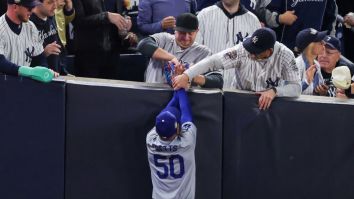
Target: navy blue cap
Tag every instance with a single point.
(25, 3)
(332, 42)
(260, 41)
(186, 22)
(167, 122)
(307, 36)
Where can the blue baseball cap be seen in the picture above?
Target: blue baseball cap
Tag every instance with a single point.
(332, 42)
(307, 36)
(261, 40)
(25, 3)
(167, 122)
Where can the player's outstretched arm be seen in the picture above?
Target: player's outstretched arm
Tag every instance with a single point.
(173, 102)
(185, 107)
(8, 67)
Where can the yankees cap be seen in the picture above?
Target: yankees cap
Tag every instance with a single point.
(25, 3)
(307, 36)
(186, 22)
(167, 122)
(332, 42)
(261, 40)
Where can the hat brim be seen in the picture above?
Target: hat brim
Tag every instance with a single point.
(248, 45)
(320, 36)
(181, 29)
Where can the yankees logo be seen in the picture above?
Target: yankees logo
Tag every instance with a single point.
(253, 4)
(271, 83)
(240, 37)
(29, 54)
(254, 39)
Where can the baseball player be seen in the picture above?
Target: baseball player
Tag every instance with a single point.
(179, 49)
(170, 146)
(224, 25)
(261, 65)
(20, 46)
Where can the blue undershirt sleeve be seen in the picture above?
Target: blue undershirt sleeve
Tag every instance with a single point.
(8, 67)
(185, 107)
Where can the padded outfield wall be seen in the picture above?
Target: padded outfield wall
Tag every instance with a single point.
(85, 138)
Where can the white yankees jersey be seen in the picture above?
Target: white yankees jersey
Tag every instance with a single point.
(309, 88)
(250, 74)
(219, 30)
(19, 49)
(154, 72)
(172, 164)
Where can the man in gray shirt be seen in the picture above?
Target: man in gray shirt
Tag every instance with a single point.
(179, 49)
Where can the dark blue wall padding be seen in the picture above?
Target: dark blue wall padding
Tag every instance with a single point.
(31, 139)
(296, 149)
(105, 146)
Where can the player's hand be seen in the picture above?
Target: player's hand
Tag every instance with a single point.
(179, 69)
(52, 49)
(118, 20)
(310, 73)
(168, 22)
(287, 18)
(321, 90)
(265, 99)
(180, 81)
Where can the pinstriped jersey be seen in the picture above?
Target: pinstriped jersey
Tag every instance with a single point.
(255, 75)
(172, 164)
(219, 31)
(19, 49)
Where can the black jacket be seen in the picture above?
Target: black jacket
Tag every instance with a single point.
(93, 31)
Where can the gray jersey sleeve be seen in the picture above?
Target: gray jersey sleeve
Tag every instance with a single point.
(223, 60)
(290, 74)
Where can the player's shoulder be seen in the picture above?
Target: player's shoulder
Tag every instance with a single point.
(282, 49)
(163, 36)
(188, 126)
(152, 134)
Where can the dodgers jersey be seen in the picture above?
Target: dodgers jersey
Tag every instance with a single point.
(172, 164)
(254, 75)
(219, 30)
(155, 73)
(19, 49)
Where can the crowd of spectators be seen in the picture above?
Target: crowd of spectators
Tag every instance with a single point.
(318, 33)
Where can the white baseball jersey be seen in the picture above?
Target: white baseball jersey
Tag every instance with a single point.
(250, 74)
(172, 164)
(300, 62)
(155, 73)
(19, 49)
(219, 30)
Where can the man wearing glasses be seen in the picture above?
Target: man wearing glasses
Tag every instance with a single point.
(261, 65)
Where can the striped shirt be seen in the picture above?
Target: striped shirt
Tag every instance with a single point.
(250, 74)
(155, 73)
(19, 49)
(219, 30)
